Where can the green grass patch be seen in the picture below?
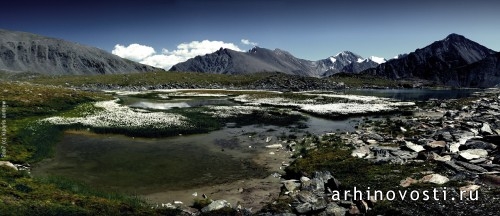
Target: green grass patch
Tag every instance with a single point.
(38, 139)
(27, 100)
(22, 195)
(361, 80)
(153, 79)
(83, 189)
(200, 203)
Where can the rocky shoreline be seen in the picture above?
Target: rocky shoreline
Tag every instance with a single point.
(465, 138)
(459, 137)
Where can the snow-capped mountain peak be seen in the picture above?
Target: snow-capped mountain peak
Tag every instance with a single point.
(345, 57)
(333, 60)
(345, 54)
(378, 60)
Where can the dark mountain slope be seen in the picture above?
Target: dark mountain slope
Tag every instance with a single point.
(434, 62)
(481, 74)
(226, 61)
(21, 52)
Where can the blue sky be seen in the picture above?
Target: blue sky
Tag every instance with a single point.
(311, 30)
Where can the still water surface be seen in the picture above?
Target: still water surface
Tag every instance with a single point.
(147, 165)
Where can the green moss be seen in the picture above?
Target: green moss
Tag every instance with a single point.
(22, 195)
(153, 79)
(201, 203)
(82, 110)
(27, 100)
(359, 80)
(80, 188)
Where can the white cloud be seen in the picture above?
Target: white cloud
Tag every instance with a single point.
(248, 42)
(166, 59)
(134, 52)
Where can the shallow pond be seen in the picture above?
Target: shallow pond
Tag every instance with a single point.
(139, 165)
(147, 165)
(414, 94)
(158, 104)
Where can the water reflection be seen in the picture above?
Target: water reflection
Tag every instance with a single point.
(414, 94)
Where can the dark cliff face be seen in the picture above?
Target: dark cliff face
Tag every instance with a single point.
(435, 62)
(20, 52)
(481, 74)
(265, 60)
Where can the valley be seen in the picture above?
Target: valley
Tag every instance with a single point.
(261, 132)
(239, 145)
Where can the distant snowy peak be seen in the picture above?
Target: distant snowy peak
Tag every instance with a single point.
(346, 54)
(347, 57)
(378, 60)
(347, 61)
(333, 60)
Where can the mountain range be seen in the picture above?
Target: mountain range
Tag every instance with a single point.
(26, 52)
(454, 61)
(226, 61)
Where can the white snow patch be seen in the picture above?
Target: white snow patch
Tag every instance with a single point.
(366, 104)
(378, 60)
(345, 108)
(231, 111)
(333, 60)
(116, 115)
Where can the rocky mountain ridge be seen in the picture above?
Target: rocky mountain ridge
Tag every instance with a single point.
(226, 61)
(439, 62)
(26, 52)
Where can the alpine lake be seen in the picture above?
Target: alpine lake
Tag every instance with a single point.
(234, 152)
